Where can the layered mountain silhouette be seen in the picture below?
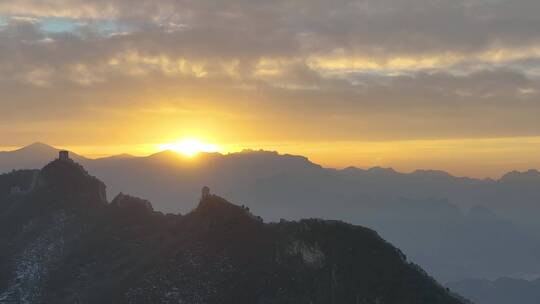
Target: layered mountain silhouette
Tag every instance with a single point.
(456, 228)
(33, 156)
(263, 170)
(63, 242)
(500, 291)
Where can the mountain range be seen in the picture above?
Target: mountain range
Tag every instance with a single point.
(62, 241)
(456, 228)
(499, 291)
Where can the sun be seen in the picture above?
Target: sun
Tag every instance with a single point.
(190, 147)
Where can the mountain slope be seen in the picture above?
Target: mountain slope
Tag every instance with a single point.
(63, 243)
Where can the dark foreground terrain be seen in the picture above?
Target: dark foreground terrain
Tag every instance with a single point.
(61, 241)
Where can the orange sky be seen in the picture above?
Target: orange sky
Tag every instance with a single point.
(466, 157)
(451, 85)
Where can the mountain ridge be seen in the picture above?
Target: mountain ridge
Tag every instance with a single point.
(40, 147)
(66, 245)
(499, 291)
(396, 204)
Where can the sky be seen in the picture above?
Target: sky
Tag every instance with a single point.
(409, 84)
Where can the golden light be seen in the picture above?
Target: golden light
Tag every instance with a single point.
(190, 147)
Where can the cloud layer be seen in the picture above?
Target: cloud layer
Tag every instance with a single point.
(269, 70)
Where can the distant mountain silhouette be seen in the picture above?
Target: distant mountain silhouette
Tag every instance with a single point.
(500, 291)
(426, 212)
(33, 156)
(454, 244)
(62, 242)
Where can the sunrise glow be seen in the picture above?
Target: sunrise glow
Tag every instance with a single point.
(398, 88)
(190, 147)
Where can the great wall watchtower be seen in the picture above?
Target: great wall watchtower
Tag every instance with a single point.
(205, 192)
(63, 155)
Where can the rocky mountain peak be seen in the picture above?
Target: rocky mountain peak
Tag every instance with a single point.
(220, 210)
(132, 204)
(65, 177)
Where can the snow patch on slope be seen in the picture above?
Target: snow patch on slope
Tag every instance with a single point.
(36, 262)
